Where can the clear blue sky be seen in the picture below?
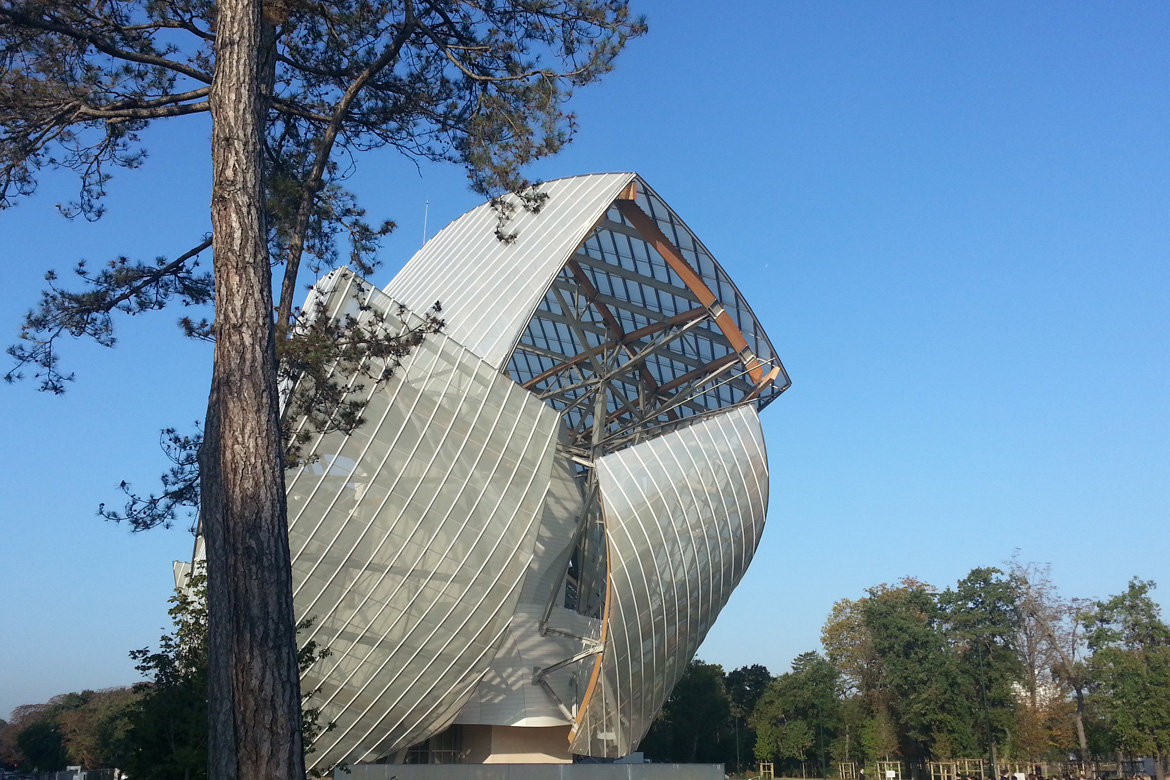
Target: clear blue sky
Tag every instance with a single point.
(952, 219)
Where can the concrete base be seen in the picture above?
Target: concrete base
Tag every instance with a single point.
(516, 745)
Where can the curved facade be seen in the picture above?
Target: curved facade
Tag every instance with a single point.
(683, 513)
(550, 502)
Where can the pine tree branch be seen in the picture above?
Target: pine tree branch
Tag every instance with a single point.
(14, 16)
(132, 289)
(155, 112)
(324, 153)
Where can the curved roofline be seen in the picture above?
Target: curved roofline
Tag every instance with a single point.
(491, 288)
(760, 333)
(518, 272)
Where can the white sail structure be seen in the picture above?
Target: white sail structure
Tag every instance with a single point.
(550, 501)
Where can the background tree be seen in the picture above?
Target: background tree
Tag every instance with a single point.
(290, 88)
(799, 714)
(848, 646)
(1051, 643)
(42, 747)
(93, 730)
(981, 623)
(79, 728)
(745, 686)
(867, 731)
(695, 721)
(1129, 671)
(20, 717)
(915, 672)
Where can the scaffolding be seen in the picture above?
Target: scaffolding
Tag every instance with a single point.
(956, 769)
(944, 770)
(970, 767)
(847, 770)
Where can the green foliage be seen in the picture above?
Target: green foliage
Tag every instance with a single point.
(746, 685)
(43, 746)
(166, 734)
(312, 728)
(905, 679)
(73, 728)
(981, 623)
(847, 644)
(94, 730)
(914, 672)
(916, 664)
(1129, 670)
(695, 722)
(799, 714)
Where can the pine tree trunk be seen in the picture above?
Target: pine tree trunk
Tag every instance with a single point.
(254, 685)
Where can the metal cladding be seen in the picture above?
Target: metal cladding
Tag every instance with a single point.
(683, 514)
(550, 502)
(410, 538)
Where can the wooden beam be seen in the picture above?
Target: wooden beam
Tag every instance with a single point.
(654, 236)
(591, 293)
(763, 384)
(559, 367)
(682, 318)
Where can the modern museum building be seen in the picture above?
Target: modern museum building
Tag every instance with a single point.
(515, 556)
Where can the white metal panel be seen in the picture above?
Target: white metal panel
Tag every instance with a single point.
(508, 694)
(489, 288)
(410, 539)
(683, 513)
(182, 570)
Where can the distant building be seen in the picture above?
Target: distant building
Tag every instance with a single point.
(517, 554)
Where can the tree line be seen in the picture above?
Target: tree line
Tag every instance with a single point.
(155, 730)
(998, 666)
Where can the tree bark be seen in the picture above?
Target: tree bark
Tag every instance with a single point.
(254, 684)
(1082, 740)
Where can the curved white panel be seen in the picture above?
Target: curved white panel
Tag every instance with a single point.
(410, 539)
(489, 288)
(508, 694)
(683, 515)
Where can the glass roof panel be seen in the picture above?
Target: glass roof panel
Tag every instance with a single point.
(619, 284)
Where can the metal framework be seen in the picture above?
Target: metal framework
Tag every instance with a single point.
(630, 318)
